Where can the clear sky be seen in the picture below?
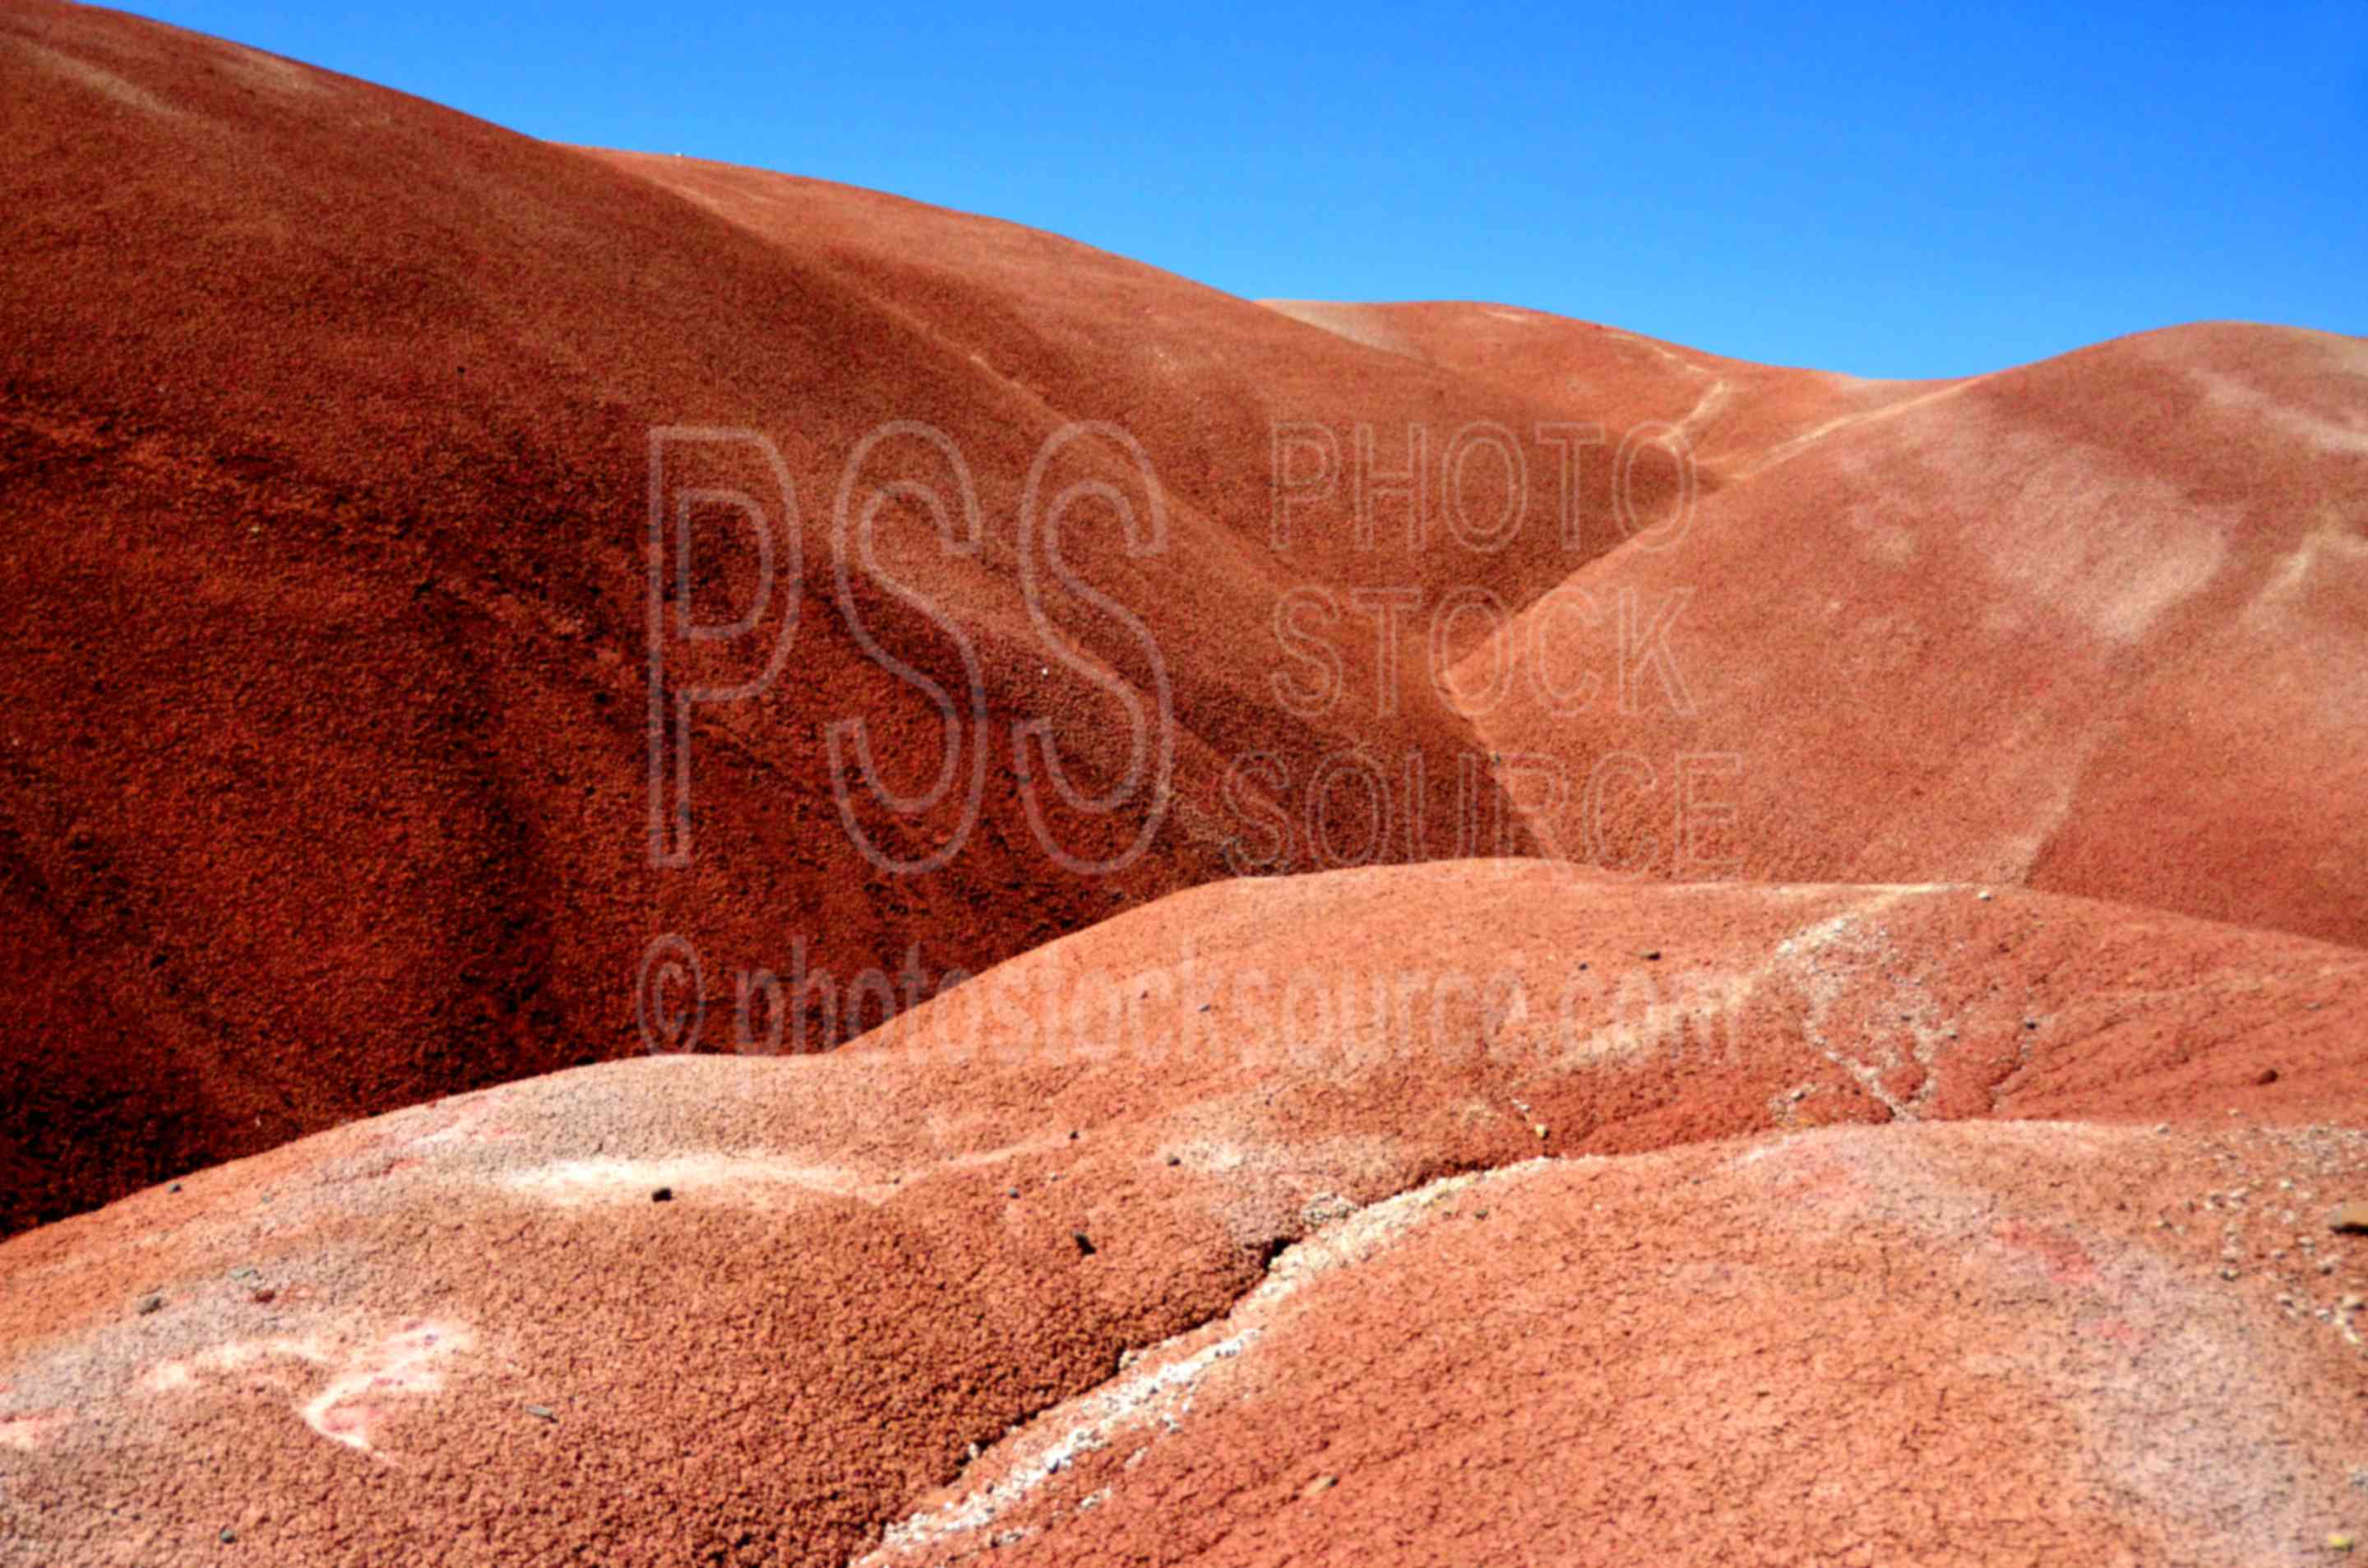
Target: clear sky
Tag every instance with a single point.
(1870, 187)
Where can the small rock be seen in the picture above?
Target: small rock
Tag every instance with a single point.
(2267, 1076)
(1320, 1486)
(1175, 1159)
(263, 1297)
(2338, 1542)
(2349, 1219)
(174, 1188)
(151, 1303)
(228, 1536)
(1652, 957)
(542, 1412)
(663, 1195)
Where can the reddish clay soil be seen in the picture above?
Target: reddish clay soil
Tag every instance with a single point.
(1731, 414)
(1170, 1269)
(2092, 624)
(326, 663)
(325, 422)
(1884, 1101)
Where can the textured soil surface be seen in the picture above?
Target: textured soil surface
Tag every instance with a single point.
(1820, 1015)
(327, 659)
(1167, 1270)
(2094, 624)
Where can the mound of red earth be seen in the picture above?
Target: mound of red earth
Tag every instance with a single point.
(2092, 625)
(326, 422)
(447, 570)
(1566, 1219)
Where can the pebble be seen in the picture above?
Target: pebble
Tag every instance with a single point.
(542, 1412)
(2349, 1219)
(1320, 1486)
(150, 1304)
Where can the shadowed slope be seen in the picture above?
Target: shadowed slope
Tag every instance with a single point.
(465, 1332)
(325, 426)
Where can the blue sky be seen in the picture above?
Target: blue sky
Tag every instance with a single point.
(1850, 186)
